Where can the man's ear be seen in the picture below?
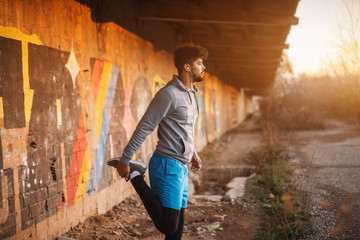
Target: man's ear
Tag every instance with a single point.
(187, 67)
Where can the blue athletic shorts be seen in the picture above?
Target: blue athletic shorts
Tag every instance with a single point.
(169, 181)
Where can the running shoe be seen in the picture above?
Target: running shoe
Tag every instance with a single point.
(134, 165)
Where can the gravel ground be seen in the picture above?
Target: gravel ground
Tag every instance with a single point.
(327, 168)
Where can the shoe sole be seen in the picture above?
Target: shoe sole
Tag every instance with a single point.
(134, 165)
(137, 166)
(113, 162)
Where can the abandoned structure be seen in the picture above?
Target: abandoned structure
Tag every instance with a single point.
(77, 75)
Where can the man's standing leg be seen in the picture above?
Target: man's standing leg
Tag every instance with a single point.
(151, 202)
(163, 203)
(165, 219)
(177, 235)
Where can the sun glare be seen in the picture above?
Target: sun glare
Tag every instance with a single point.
(315, 39)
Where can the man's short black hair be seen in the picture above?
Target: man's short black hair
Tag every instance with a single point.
(188, 54)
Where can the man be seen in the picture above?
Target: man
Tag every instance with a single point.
(174, 109)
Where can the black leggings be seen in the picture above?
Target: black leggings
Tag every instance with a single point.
(167, 220)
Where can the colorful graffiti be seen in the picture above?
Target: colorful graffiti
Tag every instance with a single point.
(234, 107)
(158, 84)
(16, 99)
(86, 167)
(11, 34)
(59, 127)
(41, 101)
(104, 96)
(140, 99)
(53, 125)
(76, 165)
(128, 117)
(201, 121)
(40, 111)
(212, 109)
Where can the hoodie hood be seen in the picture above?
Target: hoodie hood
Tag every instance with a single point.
(176, 81)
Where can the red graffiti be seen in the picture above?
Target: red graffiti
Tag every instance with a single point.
(76, 162)
(96, 76)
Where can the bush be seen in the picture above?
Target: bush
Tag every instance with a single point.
(306, 104)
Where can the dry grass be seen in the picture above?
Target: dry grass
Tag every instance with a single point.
(307, 103)
(299, 106)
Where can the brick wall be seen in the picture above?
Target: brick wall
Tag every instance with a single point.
(71, 93)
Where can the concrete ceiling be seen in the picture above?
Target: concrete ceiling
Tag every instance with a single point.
(245, 38)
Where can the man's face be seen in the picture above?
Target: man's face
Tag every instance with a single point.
(198, 70)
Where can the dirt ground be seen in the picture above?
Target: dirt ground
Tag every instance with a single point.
(326, 163)
(210, 220)
(207, 216)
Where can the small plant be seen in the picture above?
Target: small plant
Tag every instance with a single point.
(99, 219)
(264, 154)
(283, 216)
(276, 174)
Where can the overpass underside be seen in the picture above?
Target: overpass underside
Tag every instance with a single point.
(76, 77)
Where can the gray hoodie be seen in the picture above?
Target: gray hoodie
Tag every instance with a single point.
(175, 109)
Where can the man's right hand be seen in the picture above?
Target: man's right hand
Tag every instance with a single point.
(123, 170)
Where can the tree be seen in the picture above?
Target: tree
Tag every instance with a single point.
(347, 62)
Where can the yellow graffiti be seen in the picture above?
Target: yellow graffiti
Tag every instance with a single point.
(58, 112)
(16, 34)
(158, 84)
(1, 108)
(84, 175)
(101, 97)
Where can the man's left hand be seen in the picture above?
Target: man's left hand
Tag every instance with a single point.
(196, 163)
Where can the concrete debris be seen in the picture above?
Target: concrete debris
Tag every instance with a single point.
(236, 188)
(220, 218)
(271, 196)
(213, 226)
(194, 199)
(65, 238)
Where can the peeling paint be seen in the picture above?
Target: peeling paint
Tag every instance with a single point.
(58, 112)
(1, 108)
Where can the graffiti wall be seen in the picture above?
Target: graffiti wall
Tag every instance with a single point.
(71, 94)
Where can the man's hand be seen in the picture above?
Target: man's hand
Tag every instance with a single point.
(123, 170)
(196, 163)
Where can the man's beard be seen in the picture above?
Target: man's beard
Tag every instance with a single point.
(198, 78)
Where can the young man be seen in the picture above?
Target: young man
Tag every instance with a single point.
(174, 109)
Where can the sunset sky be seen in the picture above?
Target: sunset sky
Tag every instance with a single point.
(315, 38)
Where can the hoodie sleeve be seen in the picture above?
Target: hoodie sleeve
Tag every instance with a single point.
(158, 108)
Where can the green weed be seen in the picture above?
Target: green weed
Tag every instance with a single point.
(283, 217)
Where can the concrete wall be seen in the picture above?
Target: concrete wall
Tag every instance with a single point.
(71, 93)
